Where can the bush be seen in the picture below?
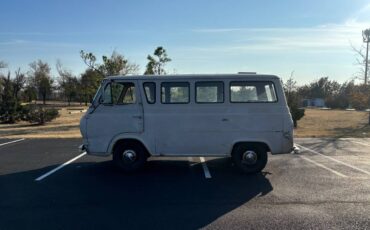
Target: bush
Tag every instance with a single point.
(293, 101)
(297, 113)
(9, 111)
(38, 114)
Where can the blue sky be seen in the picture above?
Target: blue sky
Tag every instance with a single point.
(310, 37)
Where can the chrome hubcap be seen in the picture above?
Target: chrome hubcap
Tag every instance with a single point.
(249, 157)
(129, 155)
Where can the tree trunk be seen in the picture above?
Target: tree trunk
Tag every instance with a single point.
(366, 61)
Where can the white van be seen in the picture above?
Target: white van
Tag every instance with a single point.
(244, 116)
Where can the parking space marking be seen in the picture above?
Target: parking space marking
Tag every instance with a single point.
(357, 142)
(10, 142)
(59, 167)
(207, 174)
(333, 159)
(323, 166)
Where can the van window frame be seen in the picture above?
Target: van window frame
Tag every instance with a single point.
(155, 91)
(102, 96)
(217, 102)
(253, 102)
(174, 103)
(121, 95)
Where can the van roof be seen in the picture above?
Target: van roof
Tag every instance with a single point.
(194, 76)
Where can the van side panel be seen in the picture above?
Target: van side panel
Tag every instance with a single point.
(212, 129)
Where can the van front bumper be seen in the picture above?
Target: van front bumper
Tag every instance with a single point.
(82, 148)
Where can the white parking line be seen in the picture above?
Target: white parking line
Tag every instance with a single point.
(333, 159)
(323, 166)
(59, 167)
(207, 174)
(22, 139)
(357, 142)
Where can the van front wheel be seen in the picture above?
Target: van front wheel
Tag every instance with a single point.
(250, 159)
(129, 157)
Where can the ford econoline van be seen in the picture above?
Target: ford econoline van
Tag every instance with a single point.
(243, 116)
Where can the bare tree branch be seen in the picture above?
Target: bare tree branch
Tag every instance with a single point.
(360, 61)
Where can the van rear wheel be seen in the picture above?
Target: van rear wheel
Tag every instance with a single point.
(250, 158)
(129, 157)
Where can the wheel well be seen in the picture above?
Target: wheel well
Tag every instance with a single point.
(130, 141)
(260, 144)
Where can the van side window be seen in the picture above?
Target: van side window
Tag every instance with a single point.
(175, 92)
(248, 91)
(119, 93)
(128, 94)
(149, 89)
(209, 92)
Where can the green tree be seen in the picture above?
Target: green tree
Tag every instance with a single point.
(67, 83)
(30, 93)
(341, 99)
(38, 115)
(116, 64)
(321, 88)
(89, 83)
(2, 65)
(157, 62)
(9, 103)
(19, 82)
(40, 75)
(329, 90)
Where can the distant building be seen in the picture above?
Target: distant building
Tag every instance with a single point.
(315, 102)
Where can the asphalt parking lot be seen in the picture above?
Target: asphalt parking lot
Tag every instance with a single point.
(325, 186)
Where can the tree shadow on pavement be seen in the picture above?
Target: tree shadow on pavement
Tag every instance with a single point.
(356, 132)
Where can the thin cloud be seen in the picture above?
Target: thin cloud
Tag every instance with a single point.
(29, 43)
(13, 42)
(362, 14)
(322, 38)
(77, 33)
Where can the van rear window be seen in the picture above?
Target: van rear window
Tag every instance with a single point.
(175, 92)
(252, 91)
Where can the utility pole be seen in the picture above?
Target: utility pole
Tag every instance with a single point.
(366, 39)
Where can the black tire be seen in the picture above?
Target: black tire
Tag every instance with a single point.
(126, 165)
(254, 165)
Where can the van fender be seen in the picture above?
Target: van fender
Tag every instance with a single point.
(259, 141)
(132, 136)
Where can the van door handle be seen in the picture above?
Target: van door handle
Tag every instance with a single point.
(225, 119)
(138, 117)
